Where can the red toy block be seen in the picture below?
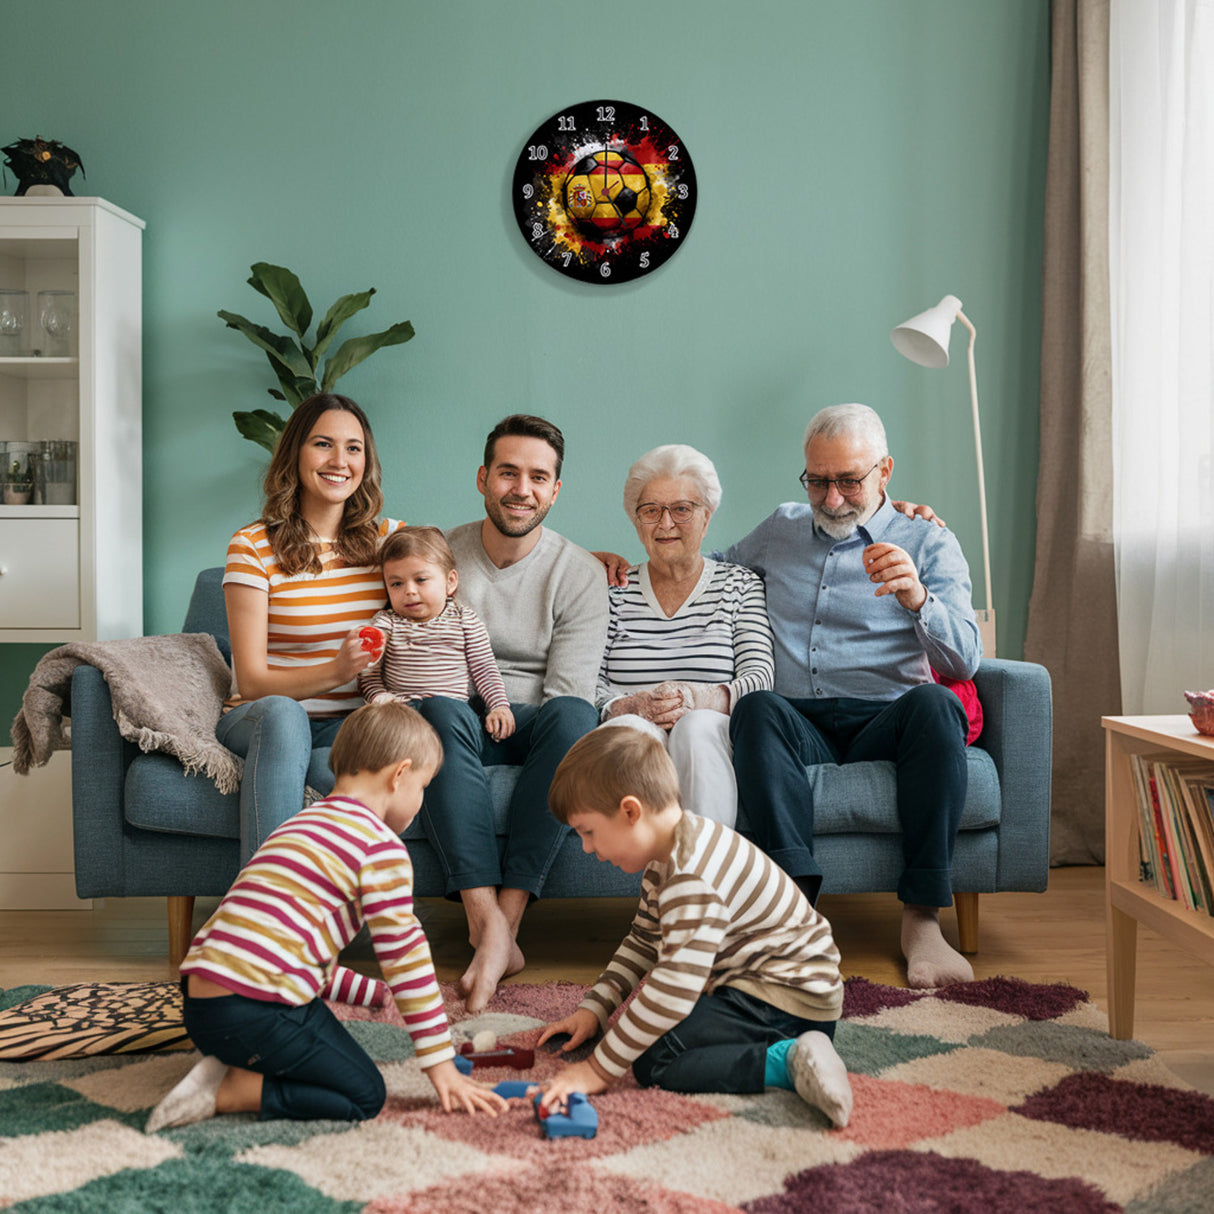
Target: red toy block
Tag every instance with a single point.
(506, 1055)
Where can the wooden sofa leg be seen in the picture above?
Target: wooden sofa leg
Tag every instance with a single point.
(967, 921)
(181, 919)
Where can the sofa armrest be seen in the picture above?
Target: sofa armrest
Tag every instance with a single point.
(1017, 732)
(100, 757)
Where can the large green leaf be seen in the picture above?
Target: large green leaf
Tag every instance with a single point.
(337, 316)
(351, 353)
(295, 390)
(285, 292)
(282, 350)
(261, 426)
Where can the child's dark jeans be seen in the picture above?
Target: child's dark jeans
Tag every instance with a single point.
(721, 1045)
(313, 1068)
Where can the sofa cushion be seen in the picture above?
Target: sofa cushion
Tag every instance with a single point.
(857, 798)
(861, 798)
(158, 795)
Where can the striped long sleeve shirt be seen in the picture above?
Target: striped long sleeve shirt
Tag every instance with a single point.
(719, 635)
(302, 898)
(716, 912)
(309, 613)
(435, 658)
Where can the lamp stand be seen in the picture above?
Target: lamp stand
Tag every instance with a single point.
(986, 619)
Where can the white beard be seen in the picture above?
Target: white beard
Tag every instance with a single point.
(837, 528)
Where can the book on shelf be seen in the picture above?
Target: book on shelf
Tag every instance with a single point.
(1175, 797)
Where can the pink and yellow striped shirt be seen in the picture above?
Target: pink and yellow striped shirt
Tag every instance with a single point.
(304, 895)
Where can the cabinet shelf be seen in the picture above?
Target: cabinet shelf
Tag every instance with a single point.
(39, 511)
(40, 368)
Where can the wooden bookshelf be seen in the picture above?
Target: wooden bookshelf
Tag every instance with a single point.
(1128, 900)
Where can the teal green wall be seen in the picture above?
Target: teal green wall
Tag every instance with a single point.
(855, 163)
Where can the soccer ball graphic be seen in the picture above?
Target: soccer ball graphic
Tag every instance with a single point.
(607, 193)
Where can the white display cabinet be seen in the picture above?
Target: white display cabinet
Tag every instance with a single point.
(71, 558)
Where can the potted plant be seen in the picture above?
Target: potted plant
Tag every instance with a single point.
(294, 361)
(18, 484)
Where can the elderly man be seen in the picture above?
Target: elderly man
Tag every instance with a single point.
(864, 603)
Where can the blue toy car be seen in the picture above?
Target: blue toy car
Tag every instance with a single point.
(579, 1120)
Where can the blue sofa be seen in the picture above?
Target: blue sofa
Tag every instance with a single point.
(142, 827)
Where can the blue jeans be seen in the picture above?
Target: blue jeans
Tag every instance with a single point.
(457, 812)
(923, 731)
(312, 1067)
(283, 749)
(721, 1045)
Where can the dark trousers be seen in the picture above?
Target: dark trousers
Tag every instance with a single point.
(313, 1068)
(457, 813)
(922, 732)
(721, 1045)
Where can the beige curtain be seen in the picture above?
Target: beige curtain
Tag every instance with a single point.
(1072, 626)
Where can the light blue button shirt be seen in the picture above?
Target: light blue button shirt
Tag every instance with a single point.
(833, 635)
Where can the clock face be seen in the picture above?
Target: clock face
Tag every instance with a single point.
(604, 191)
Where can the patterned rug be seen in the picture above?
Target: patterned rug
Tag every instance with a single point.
(992, 1096)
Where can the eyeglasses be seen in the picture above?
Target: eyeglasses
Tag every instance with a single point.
(847, 485)
(681, 513)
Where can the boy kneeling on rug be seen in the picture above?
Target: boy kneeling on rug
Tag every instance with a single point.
(743, 989)
(255, 974)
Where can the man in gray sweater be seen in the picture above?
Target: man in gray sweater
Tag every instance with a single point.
(544, 602)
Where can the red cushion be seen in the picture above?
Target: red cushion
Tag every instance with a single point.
(968, 695)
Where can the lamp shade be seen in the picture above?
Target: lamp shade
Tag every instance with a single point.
(924, 338)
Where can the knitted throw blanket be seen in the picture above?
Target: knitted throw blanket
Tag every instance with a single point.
(167, 691)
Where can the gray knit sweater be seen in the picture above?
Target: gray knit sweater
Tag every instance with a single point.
(546, 614)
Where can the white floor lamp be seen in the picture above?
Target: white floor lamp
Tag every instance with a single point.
(924, 340)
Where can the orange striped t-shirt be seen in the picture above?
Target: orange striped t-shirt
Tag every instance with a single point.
(310, 613)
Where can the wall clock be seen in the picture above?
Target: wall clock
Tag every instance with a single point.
(604, 191)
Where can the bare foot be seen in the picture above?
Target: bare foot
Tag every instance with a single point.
(930, 960)
(497, 956)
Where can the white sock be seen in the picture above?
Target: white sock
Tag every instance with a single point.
(930, 960)
(193, 1099)
(819, 1076)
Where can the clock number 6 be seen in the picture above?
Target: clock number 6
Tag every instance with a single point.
(605, 270)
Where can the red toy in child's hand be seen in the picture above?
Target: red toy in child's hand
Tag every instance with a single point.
(372, 638)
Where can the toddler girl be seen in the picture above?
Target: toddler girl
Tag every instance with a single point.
(432, 644)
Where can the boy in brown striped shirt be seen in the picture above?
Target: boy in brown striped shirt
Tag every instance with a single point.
(743, 988)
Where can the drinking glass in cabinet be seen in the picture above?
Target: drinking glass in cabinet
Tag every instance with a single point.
(58, 472)
(14, 317)
(18, 471)
(57, 321)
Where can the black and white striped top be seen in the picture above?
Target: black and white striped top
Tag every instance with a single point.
(719, 635)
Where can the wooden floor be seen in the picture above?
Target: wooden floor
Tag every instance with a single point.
(1057, 936)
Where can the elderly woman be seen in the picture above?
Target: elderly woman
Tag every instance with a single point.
(687, 636)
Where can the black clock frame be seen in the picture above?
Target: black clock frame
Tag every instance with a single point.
(635, 246)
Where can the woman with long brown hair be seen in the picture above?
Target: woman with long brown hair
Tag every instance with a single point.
(298, 585)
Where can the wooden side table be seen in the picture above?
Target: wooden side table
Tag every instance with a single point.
(1129, 901)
